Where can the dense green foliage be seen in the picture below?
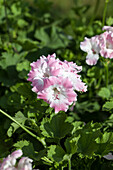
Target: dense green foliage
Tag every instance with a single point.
(79, 138)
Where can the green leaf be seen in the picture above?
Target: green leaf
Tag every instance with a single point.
(94, 72)
(56, 39)
(55, 153)
(86, 143)
(77, 125)
(71, 144)
(108, 106)
(8, 59)
(29, 151)
(18, 117)
(105, 143)
(42, 35)
(56, 127)
(88, 106)
(109, 21)
(104, 93)
(21, 144)
(25, 65)
(16, 9)
(28, 44)
(22, 23)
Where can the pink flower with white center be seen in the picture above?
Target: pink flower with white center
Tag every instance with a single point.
(58, 92)
(106, 44)
(49, 76)
(92, 47)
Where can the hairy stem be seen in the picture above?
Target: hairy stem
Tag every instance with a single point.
(25, 129)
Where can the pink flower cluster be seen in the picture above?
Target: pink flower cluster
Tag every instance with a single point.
(9, 163)
(98, 45)
(54, 81)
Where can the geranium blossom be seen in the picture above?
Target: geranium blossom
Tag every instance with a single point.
(55, 81)
(92, 47)
(98, 45)
(41, 69)
(9, 163)
(58, 92)
(108, 28)
(106, 43)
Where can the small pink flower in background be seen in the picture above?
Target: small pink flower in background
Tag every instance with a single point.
(98, 45)
(92, 47)
(55, 81)
(106, 44)
(109, 156)
(9, 163)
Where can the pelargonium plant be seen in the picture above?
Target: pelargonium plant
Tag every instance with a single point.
(98, 45)
(10, 162)
(56, 82)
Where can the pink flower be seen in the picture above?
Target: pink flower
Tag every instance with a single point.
(92, 47)
(42, 69)
(25, 164)
(109, 156)
(108, 28)
(49, 76)
(73, 66)
(69, 70)
(58, 92)
(106, 44)
(9, 163)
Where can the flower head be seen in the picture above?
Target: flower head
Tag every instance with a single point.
(106, 44)
(98, 45)
(55, 81)
(9, 163)
(92, 47)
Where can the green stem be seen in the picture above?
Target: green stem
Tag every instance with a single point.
(104, 13)
(95, 11)
(25, 129)
(106, 74)
(69, 163)
(7, 23)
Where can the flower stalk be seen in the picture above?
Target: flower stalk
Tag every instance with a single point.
(25, 129)
(69, 164)
(106, 73)
(104, 13)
